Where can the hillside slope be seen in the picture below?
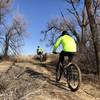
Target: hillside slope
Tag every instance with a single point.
(36, 81)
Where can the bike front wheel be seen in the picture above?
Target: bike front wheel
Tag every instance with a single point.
(73, 77)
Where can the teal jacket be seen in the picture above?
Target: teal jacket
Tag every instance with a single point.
(68, 44)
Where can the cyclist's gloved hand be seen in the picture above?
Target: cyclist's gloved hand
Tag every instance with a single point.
(54, 52)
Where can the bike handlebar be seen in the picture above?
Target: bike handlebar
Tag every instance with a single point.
(55, 52)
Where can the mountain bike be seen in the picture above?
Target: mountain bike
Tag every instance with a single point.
(40, 56)
(71, 72)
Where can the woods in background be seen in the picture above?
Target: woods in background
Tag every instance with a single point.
(83, 25)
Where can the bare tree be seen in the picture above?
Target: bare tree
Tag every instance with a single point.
(80, 20)
(80, 15)
(96, 4)
(94, 31)
(55, 27)
(13, 37)
(4, 8)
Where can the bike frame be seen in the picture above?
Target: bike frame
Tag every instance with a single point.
(65, 70)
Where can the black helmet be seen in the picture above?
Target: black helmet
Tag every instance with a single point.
(64, 33)
(38, 46)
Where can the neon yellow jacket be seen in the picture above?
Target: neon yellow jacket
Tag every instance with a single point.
(39, 50)
(67, 42)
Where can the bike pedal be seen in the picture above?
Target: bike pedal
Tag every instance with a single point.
(63, 65)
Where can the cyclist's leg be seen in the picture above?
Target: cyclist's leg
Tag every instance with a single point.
(59, 68)
(70, 56)
(61, 57)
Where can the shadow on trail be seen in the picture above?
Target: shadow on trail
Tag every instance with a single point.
(31, 72)
(50, 66)
(51, 81)
(21, 73)
(60, 85)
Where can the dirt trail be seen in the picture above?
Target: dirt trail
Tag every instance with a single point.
(5, 66)
(36, 81)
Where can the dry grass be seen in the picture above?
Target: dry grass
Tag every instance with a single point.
(36, 81)
(23, 58)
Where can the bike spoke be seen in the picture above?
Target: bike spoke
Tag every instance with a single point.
(73, 77)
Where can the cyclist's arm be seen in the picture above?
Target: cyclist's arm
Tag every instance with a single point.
(42, 50)
(57, 44)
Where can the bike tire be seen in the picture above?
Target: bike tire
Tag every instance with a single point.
(41, 58)
(59, 71)
(73, 77)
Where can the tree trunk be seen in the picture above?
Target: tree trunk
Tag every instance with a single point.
(94, 31)
(5, 55)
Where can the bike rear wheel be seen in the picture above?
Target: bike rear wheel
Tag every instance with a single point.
(59, 71)
(73, 77)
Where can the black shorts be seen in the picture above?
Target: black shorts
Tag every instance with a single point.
(69, 54)
(39, 53)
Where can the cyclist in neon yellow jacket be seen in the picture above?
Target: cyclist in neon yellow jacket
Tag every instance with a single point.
(68, 45)
(39, 51)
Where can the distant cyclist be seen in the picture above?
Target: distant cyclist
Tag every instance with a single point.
(39, 51)
(68, 45)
